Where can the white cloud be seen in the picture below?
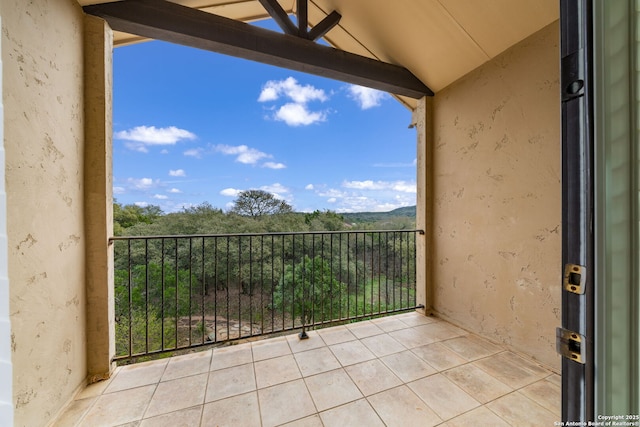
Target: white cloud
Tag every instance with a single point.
(273, 90)
(364, 185)
(194, 152)
(369, 185)
(279, 191)
(141, 137)
(230, 192)
(299, 115)
(164, 151)
(275, 189)
(297, 112)
(160, 196)
(369, 196)
(332, 193)
(177, 173)
(309, 187)
(405, 187)
(396, 165)
(119, 190)
(174, 191)
(269, 93)
(273, 165)
(141, 184)
(366, 97)
(244, 154)
(141, 204)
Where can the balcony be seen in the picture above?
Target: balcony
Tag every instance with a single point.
(400, 370)
(369, 358)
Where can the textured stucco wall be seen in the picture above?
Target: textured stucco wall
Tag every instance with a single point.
(496, 198)
(6, 369)
(43, 100)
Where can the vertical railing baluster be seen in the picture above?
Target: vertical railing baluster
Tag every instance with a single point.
(348, 277)
(282, 281)
(312, 317)
(293, 285)
(401, 271)
(379, 270)
(227, 285)
(273, 283)
(261, 285)
(372, 272)
(386, 272)
(250, 285)
(332, 276)
(394, 282)
(175, 319)
(146, 294)
(130, 300)
(347, 282)
(241, 289)
(190, 286)
(355, 256)
(408, 263)
(215, 289)
(203, 292)
(162, 293)
(273, 262)
(323, 299)
(413, 269)
(305, 291)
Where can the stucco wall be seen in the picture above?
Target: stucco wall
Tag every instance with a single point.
(6, 370)
(496, 199)
(43, 100)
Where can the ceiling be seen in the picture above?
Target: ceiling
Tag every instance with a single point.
(439, 41)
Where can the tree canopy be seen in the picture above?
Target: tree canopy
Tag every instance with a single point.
(275, 216)
(257, 203)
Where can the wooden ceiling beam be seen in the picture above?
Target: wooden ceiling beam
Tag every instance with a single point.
(171, 22)
(279, 15)
(324, 26)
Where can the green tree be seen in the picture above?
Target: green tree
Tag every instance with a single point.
(167, 293)
(324, 221)
(309, 291)
(125, 216)
(257, 203)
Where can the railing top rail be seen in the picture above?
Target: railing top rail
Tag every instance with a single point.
(197, 236)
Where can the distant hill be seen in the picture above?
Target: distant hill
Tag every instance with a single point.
(408, 212)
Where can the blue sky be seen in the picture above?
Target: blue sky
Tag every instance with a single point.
(192, 126)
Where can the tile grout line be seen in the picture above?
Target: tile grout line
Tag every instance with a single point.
(154, 391)
(255, 380)
(206, 387)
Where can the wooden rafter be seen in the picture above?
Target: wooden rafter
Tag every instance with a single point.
(324, 26)
(281, 17)
(302, 13)
(171, 22)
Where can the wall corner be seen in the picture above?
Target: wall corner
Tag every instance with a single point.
(423, 124)
(98, 210)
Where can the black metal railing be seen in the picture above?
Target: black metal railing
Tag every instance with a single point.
(179, 292)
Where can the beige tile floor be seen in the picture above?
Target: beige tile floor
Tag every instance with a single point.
(403, 370)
